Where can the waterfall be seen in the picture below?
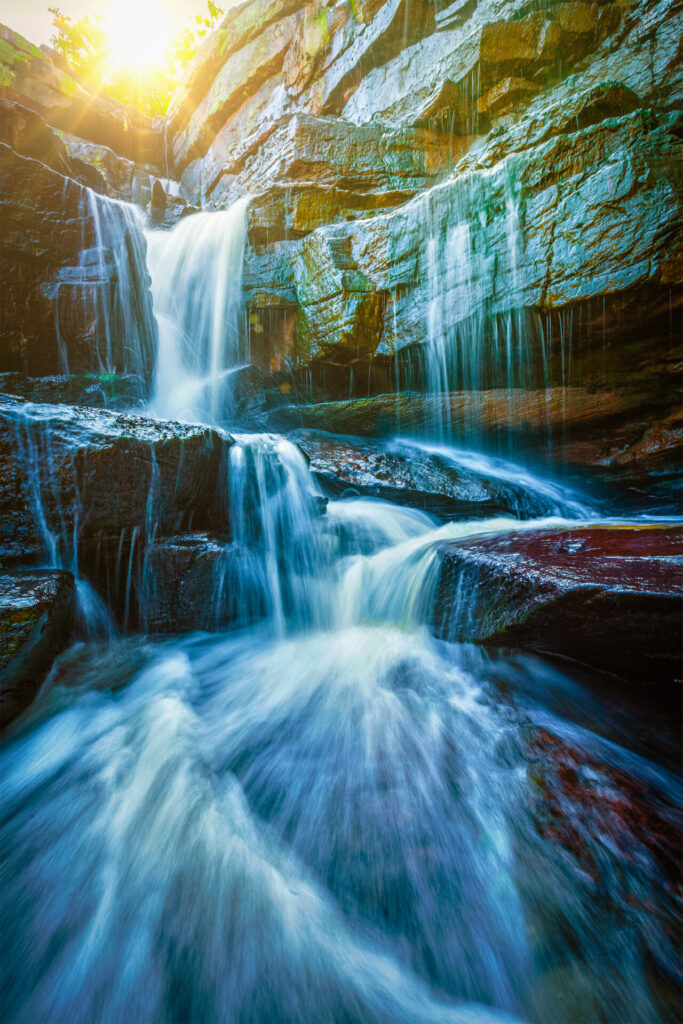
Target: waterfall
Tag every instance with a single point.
(322, 813)
(275, 507)
(478, 334)
(103, 306)
(196, 271)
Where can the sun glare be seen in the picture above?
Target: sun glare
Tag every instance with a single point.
(138, 33)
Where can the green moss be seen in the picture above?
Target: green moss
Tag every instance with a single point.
(67, 85)
(8, 55)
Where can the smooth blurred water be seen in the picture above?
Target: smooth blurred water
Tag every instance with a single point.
(328, 815)
(196, 272)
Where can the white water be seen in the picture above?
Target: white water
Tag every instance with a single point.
(196, 271)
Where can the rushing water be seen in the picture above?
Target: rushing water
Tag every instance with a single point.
(325, 814)
(196, 271)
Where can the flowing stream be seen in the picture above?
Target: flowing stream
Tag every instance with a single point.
(324, 813)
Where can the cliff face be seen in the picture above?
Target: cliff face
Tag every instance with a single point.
(458, 197)
(479, 200)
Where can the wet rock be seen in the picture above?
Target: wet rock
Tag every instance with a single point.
(506, 94)
(37, 609)
(69, 476)
(28, 135)
(239, 78)
(290, 57)
(610, 428)
(525, 45)
(353, 46)
(32, 77)
(242, 23)
(589, 216)
(181, 589)
(123, 179)
(329, 152)
(406, 475)
(294, 211)
(98, 391)
(75, 289)
(166, 210)
(609, 597)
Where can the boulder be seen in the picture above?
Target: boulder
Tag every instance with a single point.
(37, 608)
(610, 597)
(70, 476)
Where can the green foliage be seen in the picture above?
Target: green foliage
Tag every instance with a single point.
(83, 43)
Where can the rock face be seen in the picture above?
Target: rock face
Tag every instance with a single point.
(75, 284)
(36, 617)
(609, 597)
(476, 198)
(181, 589)
(613, 434)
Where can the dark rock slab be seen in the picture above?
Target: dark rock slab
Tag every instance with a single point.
(610, 597)
(69, 475)
(629, 435)
(37, 609)
(407, 475)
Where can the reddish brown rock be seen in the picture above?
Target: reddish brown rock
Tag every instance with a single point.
(503, 96)
(610, 597)
(519, 46)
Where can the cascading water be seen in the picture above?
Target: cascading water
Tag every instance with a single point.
(196, 271)
(479, 336)
(111, 280)
(324, 814)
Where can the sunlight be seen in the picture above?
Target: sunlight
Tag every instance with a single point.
(138, 33)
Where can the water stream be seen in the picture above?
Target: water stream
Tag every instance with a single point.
(325, 814)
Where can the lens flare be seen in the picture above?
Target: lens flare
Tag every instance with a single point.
(138, 34)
